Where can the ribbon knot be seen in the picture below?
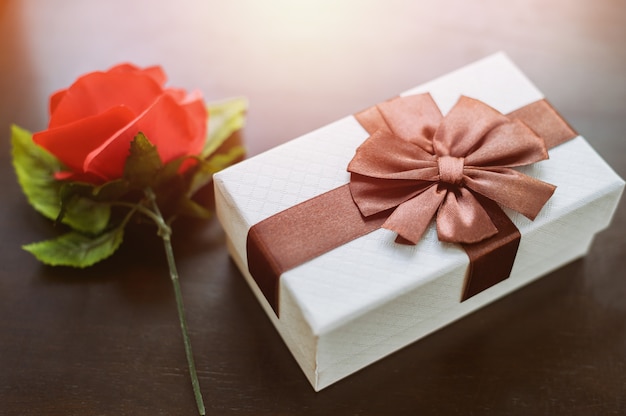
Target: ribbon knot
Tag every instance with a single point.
(451, 169)
(475, 148)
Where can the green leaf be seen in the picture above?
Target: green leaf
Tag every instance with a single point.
(111, 191)
(77, 250)
(171, 172)
(191, 208)
(225, 118)
(79, 211)
(35, 169)
(171, 168)
(86, 215)
(143, 162)
(107, 192)
(204, 172)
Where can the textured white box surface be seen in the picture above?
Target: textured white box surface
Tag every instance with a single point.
(370, 297)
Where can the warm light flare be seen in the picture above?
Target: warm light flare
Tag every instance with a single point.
(302, 18)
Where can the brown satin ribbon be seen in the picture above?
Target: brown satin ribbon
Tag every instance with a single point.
(314, 227)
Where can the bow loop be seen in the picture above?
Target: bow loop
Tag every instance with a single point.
(427, 166)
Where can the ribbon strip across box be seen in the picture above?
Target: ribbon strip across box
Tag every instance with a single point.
(367, 234)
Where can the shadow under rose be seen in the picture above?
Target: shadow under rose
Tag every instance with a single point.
(139, 268)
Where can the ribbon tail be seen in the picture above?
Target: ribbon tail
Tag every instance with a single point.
(491, 260)
(462, 219)
(411, 218)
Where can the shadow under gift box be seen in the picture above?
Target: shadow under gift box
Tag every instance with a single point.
(363, 300)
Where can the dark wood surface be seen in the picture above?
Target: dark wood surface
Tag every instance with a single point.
(106, 341)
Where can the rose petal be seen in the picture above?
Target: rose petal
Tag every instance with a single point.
(179, 95)
(164, 123)
(124, 68)
(79, 177)
(154, 72)
(55, 99)
(96, 92)
(71, 143)
(197, 116)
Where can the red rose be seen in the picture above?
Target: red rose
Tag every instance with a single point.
(93, 121)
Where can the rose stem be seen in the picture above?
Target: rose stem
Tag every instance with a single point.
(165, 232)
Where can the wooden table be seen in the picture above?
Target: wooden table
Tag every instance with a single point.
(106, 341)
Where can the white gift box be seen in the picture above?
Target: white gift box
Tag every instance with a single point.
(370, 297)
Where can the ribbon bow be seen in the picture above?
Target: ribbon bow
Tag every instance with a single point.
(426, 165)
